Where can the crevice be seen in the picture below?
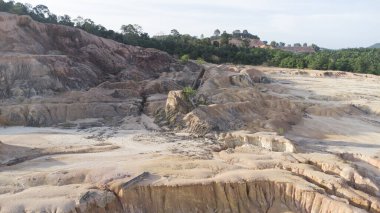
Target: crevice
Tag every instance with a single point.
(119, 202)
(142, 104)
(333, 191)
(360, 158)
(198, 82)
(226, 195)
(350, 182)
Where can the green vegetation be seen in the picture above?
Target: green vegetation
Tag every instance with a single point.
(200, 61)
(189, 92)
(216, 49)
(281, 131)
(185, 58)
(352, 60)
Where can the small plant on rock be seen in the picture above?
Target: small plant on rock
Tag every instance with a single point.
(200, 61)
(185, 58)
(281, 131)
(189, 92)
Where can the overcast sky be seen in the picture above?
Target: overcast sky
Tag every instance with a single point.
(328, 23)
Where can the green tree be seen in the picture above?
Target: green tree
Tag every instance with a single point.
(211, 50)
(225, 39)
(236, 34)
(19, 9)
(216, 43)
(217, 33)
(274, 44)
(132, 29)
(41, 12)
(175, 32)
(65, 20)
(315, 47)
(245, 34)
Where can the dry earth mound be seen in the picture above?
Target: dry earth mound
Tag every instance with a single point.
(52, 74)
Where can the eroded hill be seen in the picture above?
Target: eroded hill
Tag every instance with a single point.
(51, 74)
(119, 134)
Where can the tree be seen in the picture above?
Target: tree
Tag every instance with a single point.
(19, 9)
(225, 39)
(175, 32)
(211, 49)
(274, 44)
(131, 29)
(79, 21)
(304, 45)
(52, 19)
(29, 7)
(236, 33)
(215, 43)
(89, 26)
(315, 47)
(245, 34)
(217, 33)
(41, 11)
(65, 20)
(6, 6)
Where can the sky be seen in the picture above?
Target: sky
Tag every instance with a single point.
(328, 23)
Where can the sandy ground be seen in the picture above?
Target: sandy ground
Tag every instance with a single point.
(332, 126)
(50, 169)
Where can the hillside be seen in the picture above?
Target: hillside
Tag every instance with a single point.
(233, 49)
(375, 46)
(53, 73)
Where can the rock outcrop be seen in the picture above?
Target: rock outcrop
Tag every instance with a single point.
(267, 140)
(265, 193)
(177, 106)
(229, 100)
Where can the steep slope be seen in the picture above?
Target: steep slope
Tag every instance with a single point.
(70, 58)
(52, 73)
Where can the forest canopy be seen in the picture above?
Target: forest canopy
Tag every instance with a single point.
(215, 49)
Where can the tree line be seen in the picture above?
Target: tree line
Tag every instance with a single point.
(209, 49)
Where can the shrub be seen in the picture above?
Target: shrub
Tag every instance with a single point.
(201, 61)
(189, 92)
(281, 131)
(185, 58)
(215, 59)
